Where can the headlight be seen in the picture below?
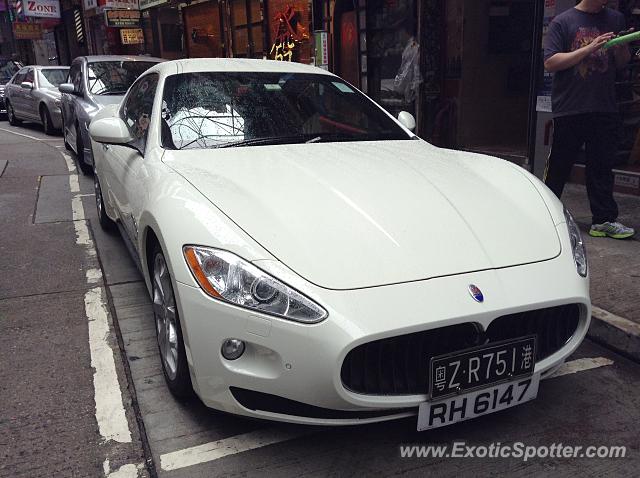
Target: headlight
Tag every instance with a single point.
(579, 251)
(225, 276)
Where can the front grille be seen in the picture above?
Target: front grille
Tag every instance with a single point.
(400, 365)
(553, 326)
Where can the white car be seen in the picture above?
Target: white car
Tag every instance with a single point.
(311, 260)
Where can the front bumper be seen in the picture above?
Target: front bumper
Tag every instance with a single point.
(302, 363)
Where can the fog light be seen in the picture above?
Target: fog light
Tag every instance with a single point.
(232, 349)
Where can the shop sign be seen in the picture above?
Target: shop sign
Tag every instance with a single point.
(41, 8)
(27, 31)
(144, 4)
(131, 36)
(322, 49)
(288, 34)
(90, 4)
(119, 4)
(122, 18)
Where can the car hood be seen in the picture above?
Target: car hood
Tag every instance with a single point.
(363, 214)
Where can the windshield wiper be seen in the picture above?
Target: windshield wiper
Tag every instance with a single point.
(290, 139)
(112, 92)
(330, 137)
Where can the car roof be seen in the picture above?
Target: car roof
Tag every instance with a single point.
(194, 65)
(48, 67)
(92, 58)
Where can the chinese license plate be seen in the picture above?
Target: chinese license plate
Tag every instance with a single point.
(481, 366)
(480, 402)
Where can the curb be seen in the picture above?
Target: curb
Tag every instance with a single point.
(617, 333)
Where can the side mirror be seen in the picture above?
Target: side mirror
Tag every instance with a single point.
(27, 85)
(110, 131)
(67, 88)
(407, 120)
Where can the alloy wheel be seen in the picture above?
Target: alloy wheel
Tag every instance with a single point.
(164, 310)
(98, 191)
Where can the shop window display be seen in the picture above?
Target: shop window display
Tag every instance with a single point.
(289, 31)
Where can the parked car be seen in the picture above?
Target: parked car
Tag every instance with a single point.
(32, 95)
(8, 68)
(95, 81)
(311, 260)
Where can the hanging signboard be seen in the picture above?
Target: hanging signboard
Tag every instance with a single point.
(144, 4)
(27, 31)
(41, 8)
(131, 36)
(122, 18)
(119, 4)
(322, 49)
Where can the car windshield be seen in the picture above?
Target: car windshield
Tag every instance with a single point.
(52, 78)
(115, 77)
(211, 110)
(8, 68)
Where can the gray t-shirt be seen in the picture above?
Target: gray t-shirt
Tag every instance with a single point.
(589, 86)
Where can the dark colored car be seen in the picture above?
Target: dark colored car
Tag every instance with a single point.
(8, 68)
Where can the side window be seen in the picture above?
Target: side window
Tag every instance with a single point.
(20, 77)
(29, 76)
(137, 109)
(75, 76)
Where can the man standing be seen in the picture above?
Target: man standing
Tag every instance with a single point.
(584, 105)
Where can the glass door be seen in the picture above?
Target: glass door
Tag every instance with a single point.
(245, 17)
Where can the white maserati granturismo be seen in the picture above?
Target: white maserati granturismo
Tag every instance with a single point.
(311, 260)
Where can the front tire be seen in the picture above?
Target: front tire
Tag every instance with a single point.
(64, 135)
(86, 168)
(47, 125)
(168, 331)
(11, 116)
(105, 221)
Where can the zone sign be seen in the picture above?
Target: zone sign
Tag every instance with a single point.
(42, 8)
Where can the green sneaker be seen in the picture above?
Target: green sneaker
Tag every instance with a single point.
(611, 229)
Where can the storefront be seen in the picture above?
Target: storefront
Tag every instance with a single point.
(225, 28)
(114, 27)
(32, 34)
(289, 31)
(463, 68)
(163, 27)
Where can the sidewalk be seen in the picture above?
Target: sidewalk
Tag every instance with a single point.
(614, 267)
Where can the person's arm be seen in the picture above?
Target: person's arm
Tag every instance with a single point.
(562, 61)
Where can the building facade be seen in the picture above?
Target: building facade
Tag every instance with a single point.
(470, 71)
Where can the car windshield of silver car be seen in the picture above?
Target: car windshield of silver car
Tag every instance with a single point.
(52, 78)
(114, 77)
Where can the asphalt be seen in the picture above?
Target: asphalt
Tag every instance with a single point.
(48, 425)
